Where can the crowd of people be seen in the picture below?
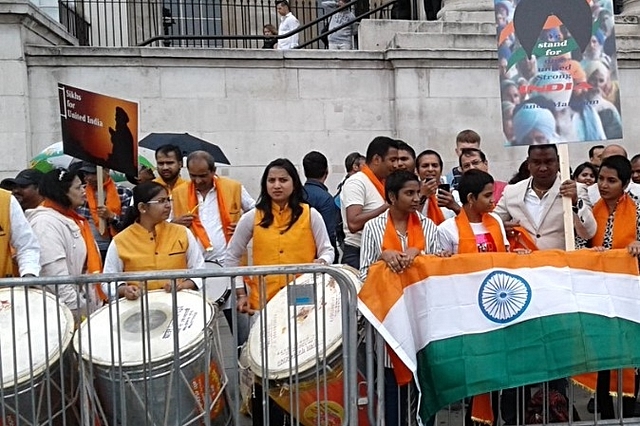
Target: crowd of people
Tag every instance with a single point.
(391, 206)
(558, 94)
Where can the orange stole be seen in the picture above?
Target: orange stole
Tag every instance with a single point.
(624, 222)
(94, 261)
(112, 202)
(433, 211)
(624, 233)
(391, 241)
(481, 409)
(374, 180)
(467, 239)
(521, 240)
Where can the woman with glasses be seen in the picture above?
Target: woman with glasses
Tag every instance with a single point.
(150, 243)
(67, 246)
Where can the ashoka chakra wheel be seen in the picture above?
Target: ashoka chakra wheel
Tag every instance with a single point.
(503, 297)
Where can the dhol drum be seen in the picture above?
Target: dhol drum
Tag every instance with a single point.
(217, 289)
(35, 332)
(312, 379)
(130, 346)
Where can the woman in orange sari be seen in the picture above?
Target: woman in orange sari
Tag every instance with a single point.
(617, 215)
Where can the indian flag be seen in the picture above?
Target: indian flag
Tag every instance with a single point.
(474, 323)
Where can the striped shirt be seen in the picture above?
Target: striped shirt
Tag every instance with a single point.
(372, 236)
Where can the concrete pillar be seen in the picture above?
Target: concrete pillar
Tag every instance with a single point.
(630, 8)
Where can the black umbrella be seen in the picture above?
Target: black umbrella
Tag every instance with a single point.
(186, 142)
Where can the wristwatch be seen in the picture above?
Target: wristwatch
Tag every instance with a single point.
(578, 206)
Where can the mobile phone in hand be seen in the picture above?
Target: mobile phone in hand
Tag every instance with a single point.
(445, 187)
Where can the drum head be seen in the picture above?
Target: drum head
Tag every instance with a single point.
(133, 332)
(216, 288)
(280, 322)
(42, 329)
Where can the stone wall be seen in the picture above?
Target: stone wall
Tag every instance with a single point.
(259, 105)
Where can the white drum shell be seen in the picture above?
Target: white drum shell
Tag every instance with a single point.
(280, 319)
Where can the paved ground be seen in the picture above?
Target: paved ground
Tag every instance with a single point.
(453, 417)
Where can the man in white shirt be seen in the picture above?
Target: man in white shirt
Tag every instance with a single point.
(288, 23)
(362, 196)
(535, 204)
(211, 206)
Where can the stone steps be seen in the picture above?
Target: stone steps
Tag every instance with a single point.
(441, 34)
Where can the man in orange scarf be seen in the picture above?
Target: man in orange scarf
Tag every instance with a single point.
(211, 206)
(396, 237)
(362, 197)
(112, 209)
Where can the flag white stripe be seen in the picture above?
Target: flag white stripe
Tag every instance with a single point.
(553, 291)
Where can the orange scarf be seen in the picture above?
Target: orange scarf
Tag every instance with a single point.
(391, 241)
(624, 233)
(374, 180)
(94, 262)
(520, 239)
(481, 410)
(112, 202)
(196, 224)
(624, 222)
(467, 239)
(433, 210)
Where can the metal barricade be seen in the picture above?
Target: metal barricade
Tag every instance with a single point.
(168, 358)
(532, 404)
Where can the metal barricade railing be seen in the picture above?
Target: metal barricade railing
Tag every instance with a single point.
(164, 357)
(516, 406)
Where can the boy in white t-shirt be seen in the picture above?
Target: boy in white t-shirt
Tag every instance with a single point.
(475, 229)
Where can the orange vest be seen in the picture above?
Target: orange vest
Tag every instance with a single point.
(140, 251)
(273, 246)
(179, 182)
(6, 259)
(229, 189)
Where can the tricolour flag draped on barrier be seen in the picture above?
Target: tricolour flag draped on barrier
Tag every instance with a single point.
(474, 323)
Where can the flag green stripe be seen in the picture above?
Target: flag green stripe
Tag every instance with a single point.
(533, 351)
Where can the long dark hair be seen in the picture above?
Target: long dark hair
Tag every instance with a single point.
(295, 200)
(55, 185)
(141, 194)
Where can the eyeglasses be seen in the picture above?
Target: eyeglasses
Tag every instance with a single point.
(473, 163)
(164, 200)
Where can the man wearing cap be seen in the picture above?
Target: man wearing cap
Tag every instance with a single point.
(211, 206)
(17, 240)
(24, 188)
(112, 210)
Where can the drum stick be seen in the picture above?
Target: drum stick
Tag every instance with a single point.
(193, 210)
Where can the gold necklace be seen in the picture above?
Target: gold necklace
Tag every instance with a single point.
(539, 192)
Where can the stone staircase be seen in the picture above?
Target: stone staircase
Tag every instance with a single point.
(466, 31)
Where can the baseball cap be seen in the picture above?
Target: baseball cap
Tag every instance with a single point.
(83, 166)
(25, 177)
